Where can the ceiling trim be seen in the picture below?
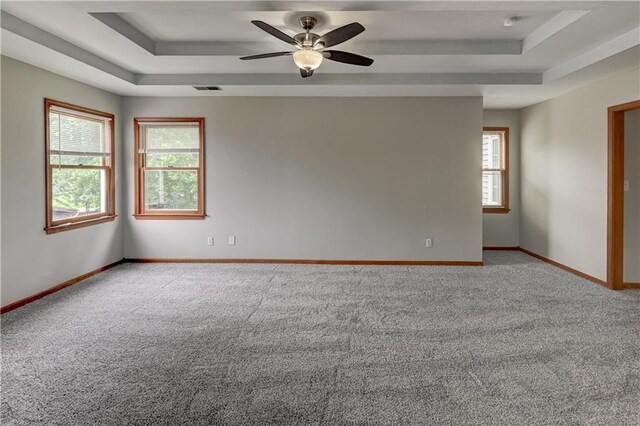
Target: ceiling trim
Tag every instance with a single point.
(350, 79)
(553, 26)
(119, 25)
(606, 50)
(51, 41)
(374, 48)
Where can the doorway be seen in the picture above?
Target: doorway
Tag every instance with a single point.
(616, 197)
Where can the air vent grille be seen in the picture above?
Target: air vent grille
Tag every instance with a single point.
(207, 87)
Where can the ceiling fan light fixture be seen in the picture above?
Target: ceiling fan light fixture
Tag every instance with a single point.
(311, 47)
(307, 59)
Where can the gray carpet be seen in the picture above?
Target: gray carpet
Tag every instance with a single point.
(515, 342)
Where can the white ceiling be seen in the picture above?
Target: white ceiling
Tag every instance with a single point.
(428, 48)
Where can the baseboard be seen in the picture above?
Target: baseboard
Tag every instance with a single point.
(565, 267)
(72, 281)
(631, 285)
(507, 248)
(313, 261)
(26, 300)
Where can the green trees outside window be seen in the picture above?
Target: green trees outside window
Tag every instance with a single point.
(169, 166)
(79, 163)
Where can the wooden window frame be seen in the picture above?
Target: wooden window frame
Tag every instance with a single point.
(140, 212)
(504, 170)
(108, 164)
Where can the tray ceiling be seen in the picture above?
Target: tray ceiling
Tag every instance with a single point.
(456, 48)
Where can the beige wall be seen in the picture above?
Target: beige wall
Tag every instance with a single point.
(319, 178)
(503, 230)
(33, 261)
(632, 197)
(325, 178)
(564, 173)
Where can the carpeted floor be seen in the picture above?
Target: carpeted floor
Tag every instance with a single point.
(513, 343)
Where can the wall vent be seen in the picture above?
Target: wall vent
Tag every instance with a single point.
(207, 87)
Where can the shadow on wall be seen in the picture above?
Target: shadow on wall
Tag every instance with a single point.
(534, 178)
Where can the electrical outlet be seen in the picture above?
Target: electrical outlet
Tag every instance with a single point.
(232, 240)
(209, 241)
(429, 243)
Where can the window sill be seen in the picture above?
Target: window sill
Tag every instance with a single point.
(54, 229)
(496, 210)
(152, 216)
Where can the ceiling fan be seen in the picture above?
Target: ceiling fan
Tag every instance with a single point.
(311, 47)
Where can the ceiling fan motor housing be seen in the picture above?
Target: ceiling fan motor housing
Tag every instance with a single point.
(307, 22)
(306, 40)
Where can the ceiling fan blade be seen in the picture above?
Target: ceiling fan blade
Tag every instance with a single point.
(340, 35)
(306, 73)
(266, 55)
(275, 32)
(347, 58)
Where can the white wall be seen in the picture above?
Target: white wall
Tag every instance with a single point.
(564, 173)
(324, 178)
(33, 261)
(503, 230)
(632, 198)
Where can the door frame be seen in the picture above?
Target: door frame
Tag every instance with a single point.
(615, 208)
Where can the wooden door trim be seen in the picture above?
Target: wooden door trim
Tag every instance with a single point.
(615, 198)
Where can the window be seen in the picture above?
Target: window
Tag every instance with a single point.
(80, 180)
(169, 168)
(495, 170)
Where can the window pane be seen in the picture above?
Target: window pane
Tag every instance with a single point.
(175, 159)
(78, 192)
(172, 137)
(492, 189)
(68, 133)
(171, 189)
(491, 150)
